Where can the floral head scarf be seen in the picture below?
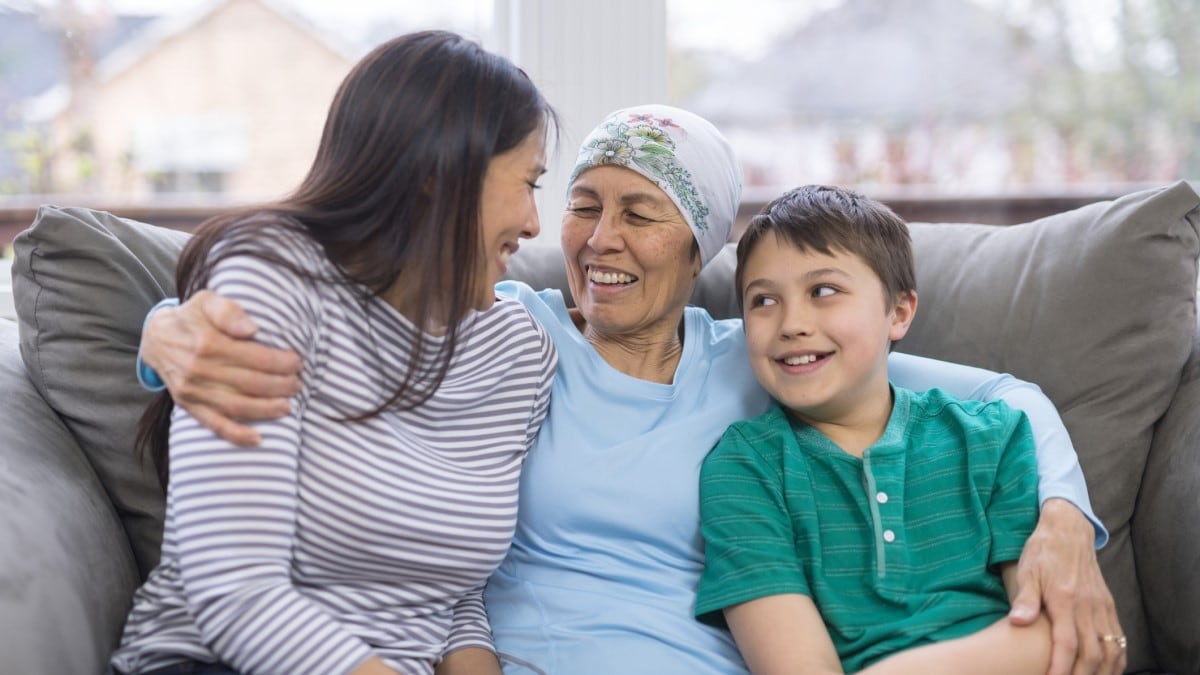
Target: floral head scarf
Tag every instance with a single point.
(681, 153)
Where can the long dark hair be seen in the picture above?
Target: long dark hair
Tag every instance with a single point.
(394, 189)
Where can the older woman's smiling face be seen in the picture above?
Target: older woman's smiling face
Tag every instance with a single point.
(631, 261)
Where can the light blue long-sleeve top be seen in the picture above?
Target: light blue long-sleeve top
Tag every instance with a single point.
(602, 574)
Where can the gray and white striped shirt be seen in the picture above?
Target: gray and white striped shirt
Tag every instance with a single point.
(335, 540)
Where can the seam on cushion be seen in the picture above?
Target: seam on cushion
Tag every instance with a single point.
(35, 258)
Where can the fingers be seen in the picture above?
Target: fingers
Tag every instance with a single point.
(1027, 606)
(1118, 656)
(216, 356)
(1115, 649)
(220, 400)
(1090, 652)
(1064, 632)
(204, 353)
(278, 365)
(1111, 644)
(225, 315)
(225, 427)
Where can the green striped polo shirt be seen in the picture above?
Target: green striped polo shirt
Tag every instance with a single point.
(896, 549)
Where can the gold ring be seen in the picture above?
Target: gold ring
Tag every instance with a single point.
(1119, 639)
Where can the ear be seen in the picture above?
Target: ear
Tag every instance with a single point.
(903, 311)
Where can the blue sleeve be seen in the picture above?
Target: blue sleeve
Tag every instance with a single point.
(1059, 474)
(145, 374)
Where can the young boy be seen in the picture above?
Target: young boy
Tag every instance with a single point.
(857, 524)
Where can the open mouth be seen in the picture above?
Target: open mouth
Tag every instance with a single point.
(799, 360)
(609, 278)
(506, 253)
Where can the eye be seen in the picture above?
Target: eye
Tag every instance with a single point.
(823, 291)
(762, 301)
(584, 211)
(637, 217)
(533, 185)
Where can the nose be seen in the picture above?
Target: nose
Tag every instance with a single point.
(797, 321)
(606, 236)
(533, 226)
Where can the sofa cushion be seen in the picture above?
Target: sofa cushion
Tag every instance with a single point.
(1168, 558)
(1096, 306)
(66, 572)
(83, 281)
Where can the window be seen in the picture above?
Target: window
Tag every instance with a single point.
(946, 97)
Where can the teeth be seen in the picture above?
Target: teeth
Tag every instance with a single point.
(800, 360)
(610, 277)
(505, 254)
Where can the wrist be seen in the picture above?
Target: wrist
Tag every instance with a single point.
(145, 367)
(1066, 518)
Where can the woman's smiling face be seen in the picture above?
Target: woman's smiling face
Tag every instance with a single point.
(631, 258)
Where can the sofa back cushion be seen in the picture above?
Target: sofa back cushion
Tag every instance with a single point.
(1096, 305)
(83, 281)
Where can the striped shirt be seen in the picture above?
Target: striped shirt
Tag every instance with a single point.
(896, 549)
(337, 540)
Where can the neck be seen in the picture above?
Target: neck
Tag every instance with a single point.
(859, 427)
(404, 297)
(651, 355)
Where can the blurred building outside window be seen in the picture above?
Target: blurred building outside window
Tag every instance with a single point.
(947, 98)
(210, 103)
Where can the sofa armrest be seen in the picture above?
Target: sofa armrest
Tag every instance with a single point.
(67, 573)
(1164, 527)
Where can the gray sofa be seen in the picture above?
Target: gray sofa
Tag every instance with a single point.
(1096, 305)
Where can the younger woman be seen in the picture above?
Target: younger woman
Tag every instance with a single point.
(356, 538)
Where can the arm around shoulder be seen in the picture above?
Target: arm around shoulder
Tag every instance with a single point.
(204, 353)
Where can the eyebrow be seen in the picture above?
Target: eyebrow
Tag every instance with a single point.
(807, 276)
(641, 198)
(647, 198)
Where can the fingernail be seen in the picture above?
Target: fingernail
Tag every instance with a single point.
(1021, 612)
(244, 325)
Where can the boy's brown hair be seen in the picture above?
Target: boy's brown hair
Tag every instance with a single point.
(828, 219)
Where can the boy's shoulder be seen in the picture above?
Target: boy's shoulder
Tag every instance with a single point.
(937, 401)
(765, 435)
(937, 407)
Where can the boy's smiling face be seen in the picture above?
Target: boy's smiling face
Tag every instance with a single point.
(818, 329)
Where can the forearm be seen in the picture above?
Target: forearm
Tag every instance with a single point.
(1059, 473)
(469, 661)
(999, 649)
(469, 627)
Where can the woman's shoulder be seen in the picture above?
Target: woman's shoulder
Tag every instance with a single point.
(509, 315)
(272, 238)
(716, 334)
(548, 306)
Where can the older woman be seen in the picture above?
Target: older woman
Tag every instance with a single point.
(607, 553)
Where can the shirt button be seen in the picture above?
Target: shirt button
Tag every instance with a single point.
(889, 536)
(881, 497)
